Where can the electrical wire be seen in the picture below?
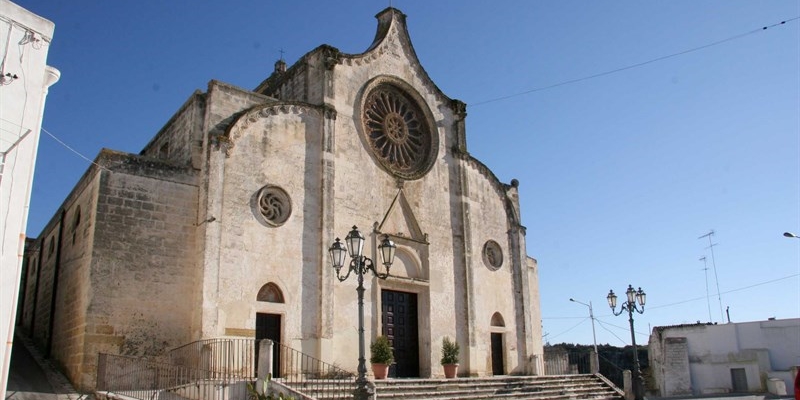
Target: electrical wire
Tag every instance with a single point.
(63, 144)
(726, 292)
(613, 71)
(573, 327)
(73, 150)
(602, 325)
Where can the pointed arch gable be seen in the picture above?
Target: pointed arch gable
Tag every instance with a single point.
(497, 320)
(270, 293)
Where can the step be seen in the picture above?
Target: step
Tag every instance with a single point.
(505, 387)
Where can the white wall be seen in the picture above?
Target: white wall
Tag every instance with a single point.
(765, 349)
(24, 42)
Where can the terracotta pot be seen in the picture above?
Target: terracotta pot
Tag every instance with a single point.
(381, 371)
(450, 370)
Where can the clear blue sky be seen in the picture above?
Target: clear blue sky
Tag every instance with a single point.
(619, 174)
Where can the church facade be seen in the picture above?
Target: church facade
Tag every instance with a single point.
(221, 226)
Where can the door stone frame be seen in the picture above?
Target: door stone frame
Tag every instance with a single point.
(422, 290)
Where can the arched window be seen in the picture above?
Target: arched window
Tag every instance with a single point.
(270, 293)
(76, 222)
(51, 247)
(497, 320)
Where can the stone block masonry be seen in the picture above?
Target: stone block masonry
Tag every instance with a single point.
(142, 281)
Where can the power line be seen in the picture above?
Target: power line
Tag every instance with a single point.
(597, 75)
(573, 327)
(73, 150)
(61, 143)
(729, 291)
(563, 317)
(668, 305)
(602, 325)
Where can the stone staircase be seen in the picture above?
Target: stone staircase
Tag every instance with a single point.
(502, 387)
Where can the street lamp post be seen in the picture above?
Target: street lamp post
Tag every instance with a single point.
(360, 264)
(790, 235)
(595, 358)
(630, 306)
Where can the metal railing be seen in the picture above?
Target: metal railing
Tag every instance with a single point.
(224, 357)
(221, 369)
(563, 362)
(311, 376)
(612, 372)
(139, 378)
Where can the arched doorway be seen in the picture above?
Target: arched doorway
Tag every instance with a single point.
(268, 326)
(496, 331)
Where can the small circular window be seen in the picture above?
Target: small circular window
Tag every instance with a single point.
(273, 205)
(492, 255)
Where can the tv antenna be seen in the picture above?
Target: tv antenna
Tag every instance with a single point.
(714, 264)
(708, 297)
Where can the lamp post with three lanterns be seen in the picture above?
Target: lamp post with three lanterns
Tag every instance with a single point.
(630, 306)
(360, 264)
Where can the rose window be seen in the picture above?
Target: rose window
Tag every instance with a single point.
(397, 132)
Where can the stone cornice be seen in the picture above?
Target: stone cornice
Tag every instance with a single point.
(113, 161)
(500, 188)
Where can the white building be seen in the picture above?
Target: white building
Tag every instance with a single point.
(24, 42)
(731, 358)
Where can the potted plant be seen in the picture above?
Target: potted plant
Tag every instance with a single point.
(449, 357)
(382, 356)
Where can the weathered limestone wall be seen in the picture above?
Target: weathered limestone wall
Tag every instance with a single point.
(536, 352)
(224, 105)
(30, 267)
(142, 261)
(492, 286)
(72, 296)
(278, 145)
(44, 292)
(180, 140)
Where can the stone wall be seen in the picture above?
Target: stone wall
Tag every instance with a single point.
(72, 296)
(142, 277)
(44, 292)
(180, 140)
(30, 267)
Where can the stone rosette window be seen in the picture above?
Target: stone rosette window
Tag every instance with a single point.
(273, 205)
(492, 255)
(397, 129)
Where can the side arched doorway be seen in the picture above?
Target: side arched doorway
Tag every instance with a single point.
(497, 330)
(268, 326)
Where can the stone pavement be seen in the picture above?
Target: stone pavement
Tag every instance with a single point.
(31, 377)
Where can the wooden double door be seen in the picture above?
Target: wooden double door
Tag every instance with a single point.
(400, 326)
